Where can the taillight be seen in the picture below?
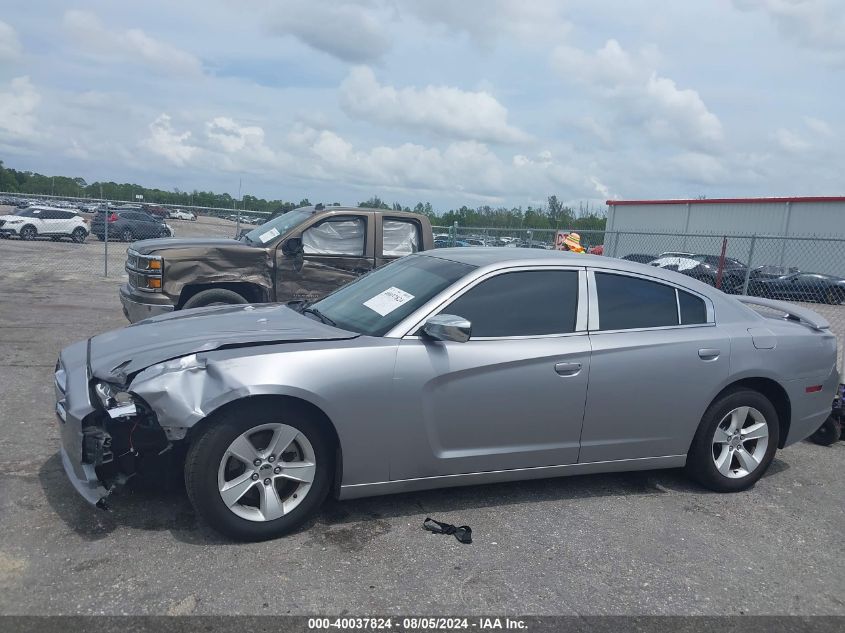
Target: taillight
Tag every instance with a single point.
(113, 217)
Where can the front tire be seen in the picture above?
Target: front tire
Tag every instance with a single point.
(79, 235)
(214, 297)
(259, 471)
(735, 442)
(28, 233)
(126, 235)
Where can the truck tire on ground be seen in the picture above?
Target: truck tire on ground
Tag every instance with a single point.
(214, 297)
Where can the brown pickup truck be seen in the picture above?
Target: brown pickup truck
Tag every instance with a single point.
(301, 255)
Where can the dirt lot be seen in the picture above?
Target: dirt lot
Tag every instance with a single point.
(648, 543)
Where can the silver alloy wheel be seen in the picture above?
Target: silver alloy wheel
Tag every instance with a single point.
(740, 442)
(266, 472)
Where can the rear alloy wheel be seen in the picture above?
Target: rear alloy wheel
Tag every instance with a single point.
(126, 235)
(735, 442)
(28, 232)
(255, 474)
(79, 235)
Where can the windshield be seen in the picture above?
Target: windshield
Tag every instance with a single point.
(280, 225)
(379, 300)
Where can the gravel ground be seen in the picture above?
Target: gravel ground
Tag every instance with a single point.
(638, 543)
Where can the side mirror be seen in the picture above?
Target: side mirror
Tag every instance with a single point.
(292, 246)
(447, 327)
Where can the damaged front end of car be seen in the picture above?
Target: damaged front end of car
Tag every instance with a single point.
(109, 433)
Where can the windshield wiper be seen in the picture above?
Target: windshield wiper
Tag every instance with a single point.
(319, 315)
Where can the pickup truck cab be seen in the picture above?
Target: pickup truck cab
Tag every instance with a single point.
(301, 255)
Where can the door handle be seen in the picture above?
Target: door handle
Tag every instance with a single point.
(568, 369)
(709, 353)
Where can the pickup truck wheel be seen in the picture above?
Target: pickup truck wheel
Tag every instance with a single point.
(79, 235)
(214, 297)
(258, 472)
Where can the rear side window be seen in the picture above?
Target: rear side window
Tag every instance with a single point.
(400, 237)
(628, 302)
(530, 303)
(693, 310)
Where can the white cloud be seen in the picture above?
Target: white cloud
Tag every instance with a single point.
(698, 168)
(350, 31)
(817, 25)
(132, 45)
(630, 85)
(165, 141)
(244, 144)
(820, 127)
(534, 22)
(10, 45)
(445, 110)
(17, 108)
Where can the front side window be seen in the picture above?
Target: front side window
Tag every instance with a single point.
(526, 303)
(629, 302)
(400, 237)
(341, 236)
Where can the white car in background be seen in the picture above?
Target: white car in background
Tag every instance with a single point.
(178, 214)
(44, 221)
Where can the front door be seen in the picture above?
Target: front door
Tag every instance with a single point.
(510, 397)
(335, 250)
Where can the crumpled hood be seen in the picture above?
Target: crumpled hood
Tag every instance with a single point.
(119, 353)
(185, 245)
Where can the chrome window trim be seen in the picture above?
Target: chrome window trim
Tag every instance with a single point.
(594, 316)
(408, 327)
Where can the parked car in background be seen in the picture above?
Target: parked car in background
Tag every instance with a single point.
(300, 255)
(640, 258)
(772, 272)
(44, 221)
(448, 243)
(705, 268)
(445, 368)
(179, 214)
(801, 287)
(128, 225)
(156, 211)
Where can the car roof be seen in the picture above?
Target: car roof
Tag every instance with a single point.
(494, 257)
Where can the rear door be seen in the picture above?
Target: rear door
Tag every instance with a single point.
(396, 237)
(335, 250)
(658, 358)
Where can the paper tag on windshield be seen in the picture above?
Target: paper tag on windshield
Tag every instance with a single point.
(386, 302)
(269, 235)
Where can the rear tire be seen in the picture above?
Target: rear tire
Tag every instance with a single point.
(713, 462)
(211, 456)
(79, 235)
(214, 297)
(827, 434)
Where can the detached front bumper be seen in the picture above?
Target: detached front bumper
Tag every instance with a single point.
(137, 308)
(81, 444)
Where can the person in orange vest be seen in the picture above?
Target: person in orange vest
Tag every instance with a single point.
(572, 243)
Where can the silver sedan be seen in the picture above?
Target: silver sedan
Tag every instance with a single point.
(446, 368)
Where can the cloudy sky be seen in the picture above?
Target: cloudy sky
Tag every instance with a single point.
(451, 101)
